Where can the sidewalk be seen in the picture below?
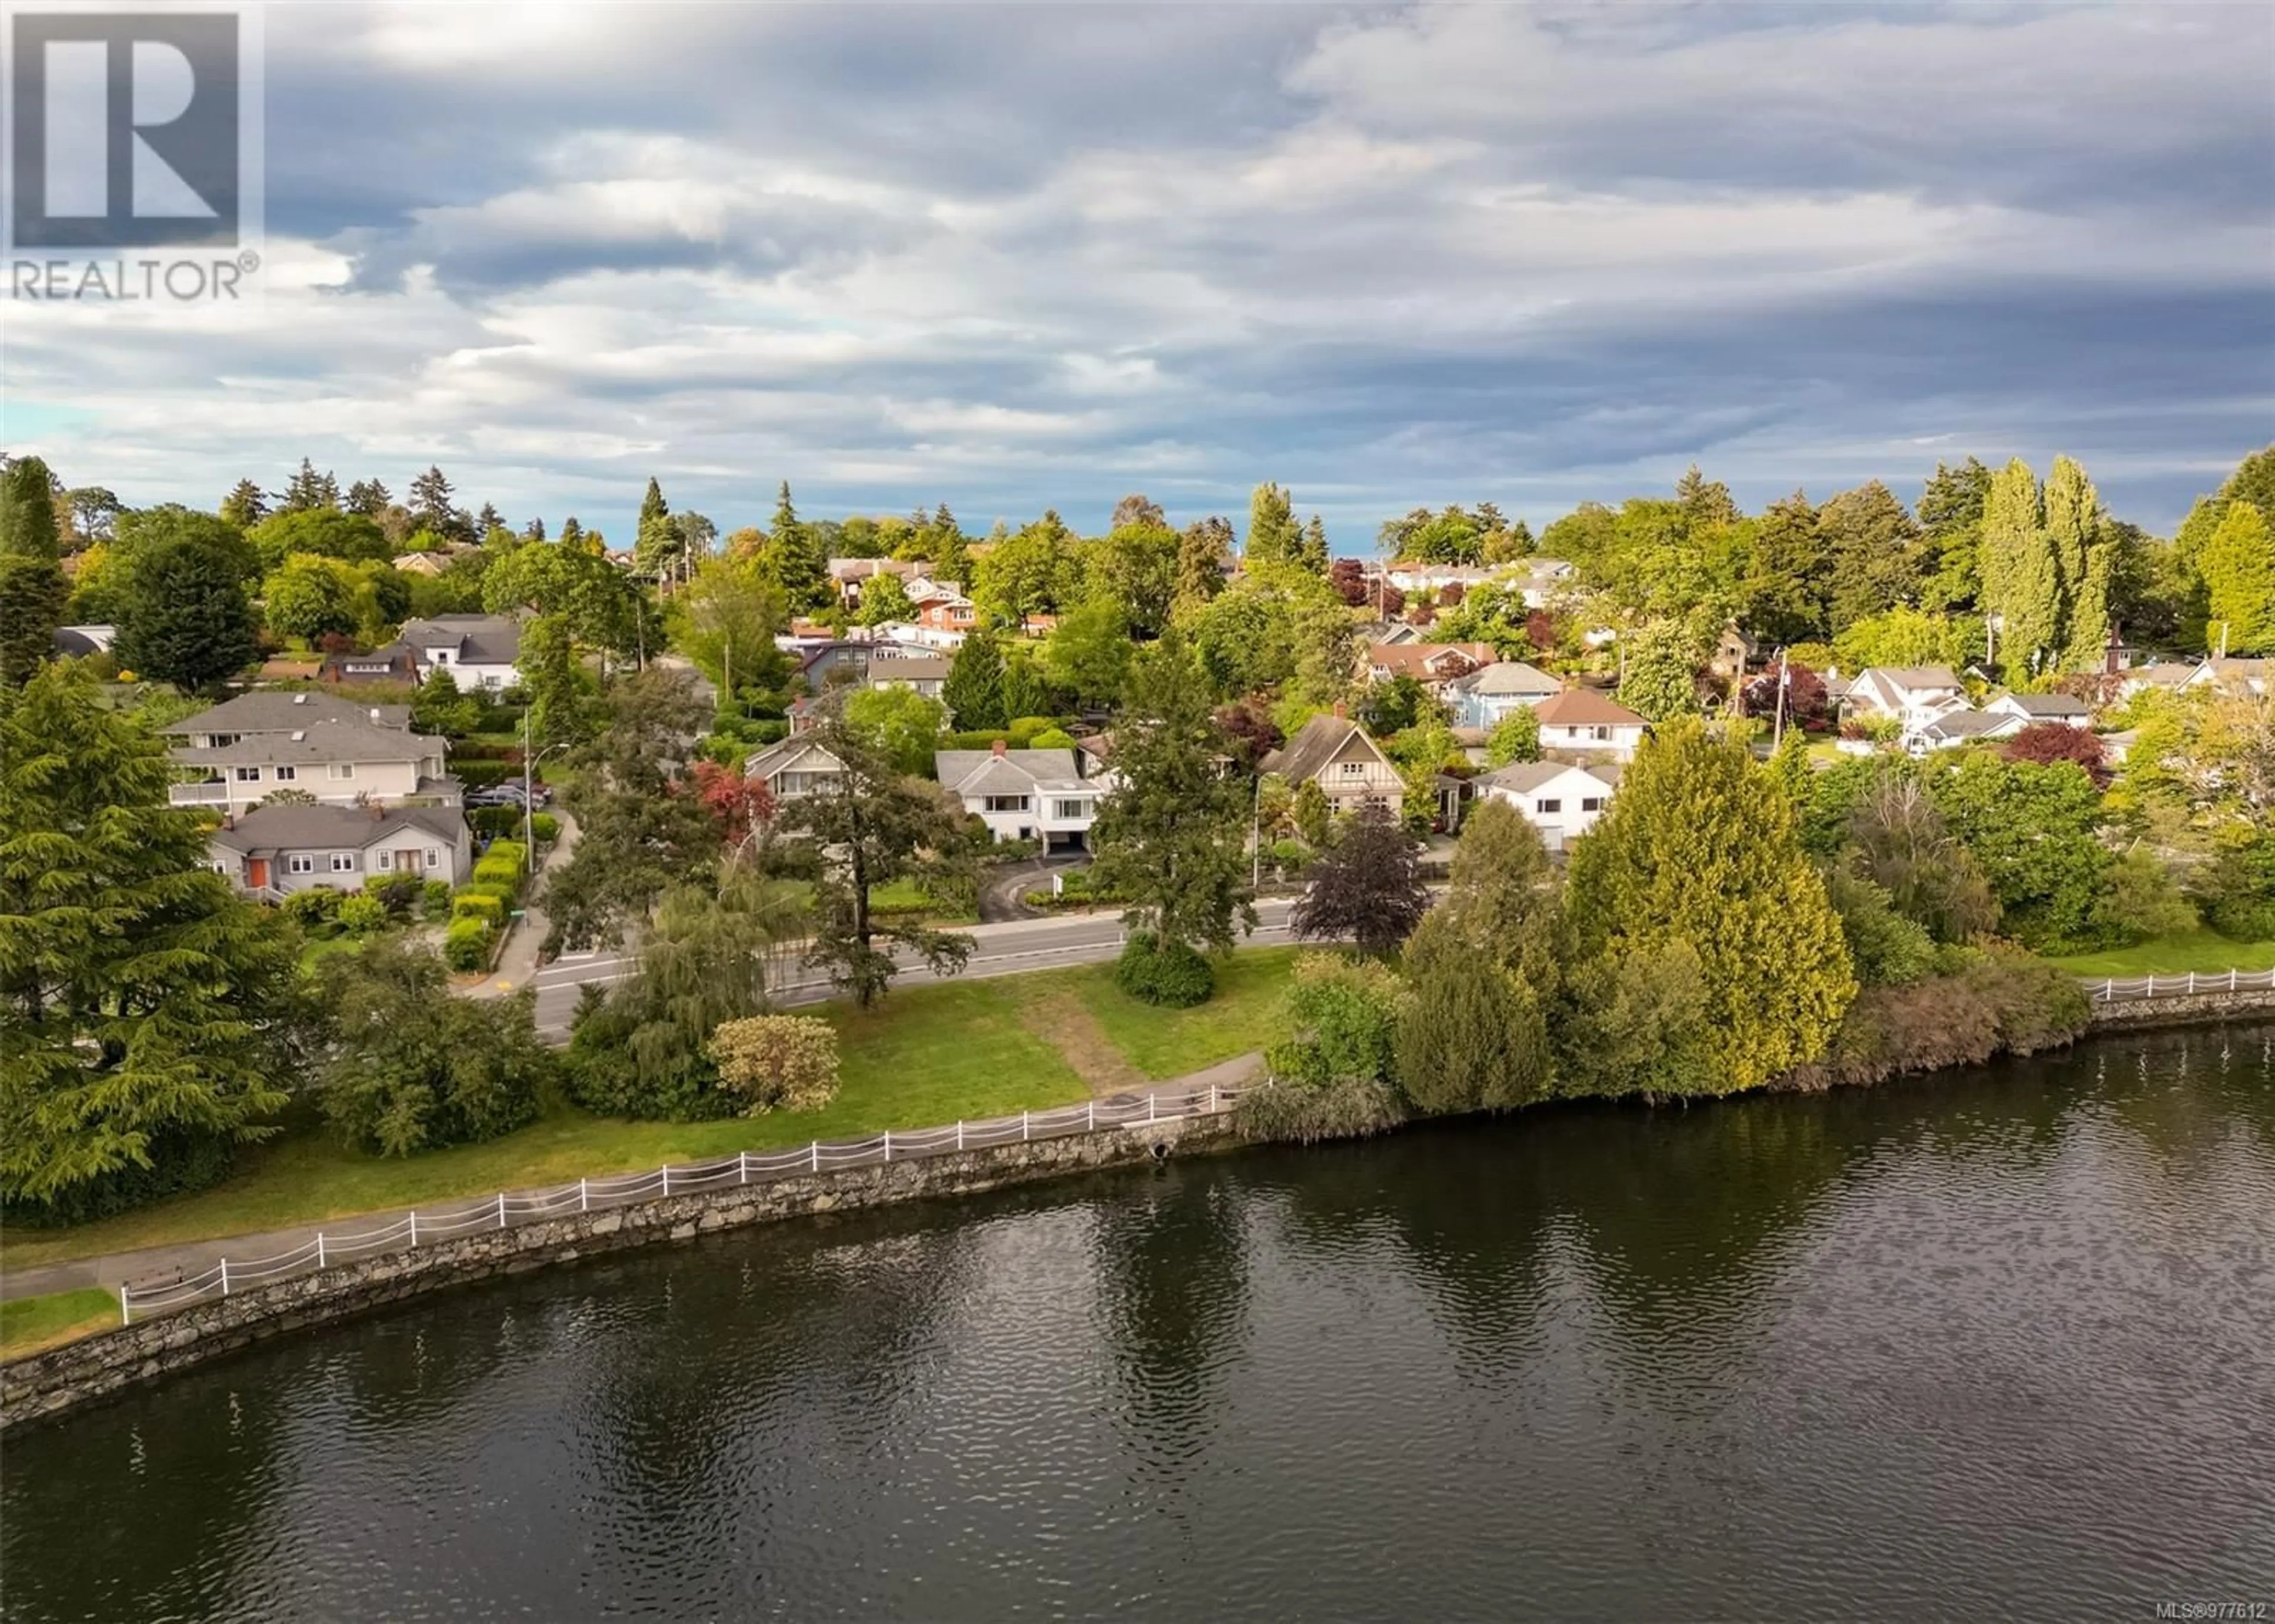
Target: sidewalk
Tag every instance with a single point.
(186, 1258)
(518, 965)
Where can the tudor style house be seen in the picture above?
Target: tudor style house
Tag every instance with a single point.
(1560, 800)
(1583, 721)
(1335, 753)
(793, 769)
(1485, 697)
(272, 851)
(1024, 793)
(343, 753)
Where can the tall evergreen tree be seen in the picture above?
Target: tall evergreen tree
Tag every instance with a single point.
(308, 490)
(183, 617)
(245, 505)
(2021, 587)
(1200, 573)
(369, 497)
(1871, 552)
(974, 689)
(1170, 837)
(1704, 956)
(433, 504)
(32, 591)
(2078, 535)
(1312, 554)
(796, 557)
(1704, 501)
(1785, 593)
(2238, 564)
(655, 542)
(1951, 523)
(151, 1016)
(1273, 535)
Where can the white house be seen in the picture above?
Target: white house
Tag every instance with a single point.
(479, 651)
(1559, 799)
(1581, 718)
(1962, 726)
(794, 768)
(272, 851)
(2030, 707)
(1914, 695)
(341, 754)
(1489, 693)
(2238, 678)
(1024, 793)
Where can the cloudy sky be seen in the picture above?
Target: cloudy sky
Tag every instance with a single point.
(1021, 257)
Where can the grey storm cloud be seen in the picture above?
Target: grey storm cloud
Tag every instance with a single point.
(1017, 257)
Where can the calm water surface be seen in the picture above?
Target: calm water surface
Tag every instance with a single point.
(1997, 1342)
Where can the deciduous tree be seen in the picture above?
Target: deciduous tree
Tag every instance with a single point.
(1365, 889)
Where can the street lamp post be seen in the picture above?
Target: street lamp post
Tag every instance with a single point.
(528, 794)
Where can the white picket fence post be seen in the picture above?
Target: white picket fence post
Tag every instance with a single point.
(1023, 1125)
(815, 1161)
(742, 1167)
(2192, 981)
(1093, 1116)
(584, 1196)
(125, 1312)
(1149, 1107)
(225, 1277)
(959, 1133)
(319, 1249)
(414, 1227)
(501, 1209)
(667, 1178)
(1212, 1100)
(888, 1144)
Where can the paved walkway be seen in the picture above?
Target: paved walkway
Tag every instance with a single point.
(153, 1264)
(518, 964)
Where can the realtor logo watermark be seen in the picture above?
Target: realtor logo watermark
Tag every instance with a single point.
(133, 157)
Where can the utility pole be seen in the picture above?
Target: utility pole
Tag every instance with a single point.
(1785, 677)
(1256, 837)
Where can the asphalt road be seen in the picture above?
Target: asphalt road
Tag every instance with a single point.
(997, 950)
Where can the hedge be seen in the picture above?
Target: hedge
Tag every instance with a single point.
(437, 898)
(483, 775)
(495, 820)
(477, 905)
(496, 871)
(513, 851)
(545, 827)
(1168, 973)
(466, 945)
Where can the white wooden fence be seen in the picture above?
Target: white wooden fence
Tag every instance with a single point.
(507, 1208)
(2194, 983)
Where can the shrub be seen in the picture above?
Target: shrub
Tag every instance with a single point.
(318, 905)
(435, 896)
(1167, 973)
(179, 1162)
(514, 849)
(544, 828)
(482, 774)
(496, 821)
(471, 905)
(362, 913)
(1986, 1003)
(1023, 729)
(496, 871)
(1052, 738)
(777, 1062)
(1345, 1015)
(466, 944)
(982, 739)
(1345, 1108)
(396, 892)
(1292, 856)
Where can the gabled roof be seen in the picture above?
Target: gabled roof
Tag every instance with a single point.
(1954, 727)
(1317, 743)
(907, 668)
(275, 711)
(480, 639)
(1507, 677)
(1585, 706)
(1420, 659)
(1911, 678)
(304, 828)
(786, 753)
(318, 742)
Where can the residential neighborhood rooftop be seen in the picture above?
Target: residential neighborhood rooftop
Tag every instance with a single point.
(290, 828)
(267, 711)
(1584, 706)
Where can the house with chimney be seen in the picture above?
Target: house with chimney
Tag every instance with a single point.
(479, 651)
(272, 851)
(1025, 794)
(246, 748)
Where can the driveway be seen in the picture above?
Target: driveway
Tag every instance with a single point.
(1003, 894)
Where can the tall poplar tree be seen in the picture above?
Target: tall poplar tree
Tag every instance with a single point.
(2020, 585)
(32, 591)
(1273, 535)
(2079, 536)
(2238, 564)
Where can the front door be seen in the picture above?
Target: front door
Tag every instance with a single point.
(256, 873)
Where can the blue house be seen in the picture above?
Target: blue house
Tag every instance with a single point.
(1491, 692)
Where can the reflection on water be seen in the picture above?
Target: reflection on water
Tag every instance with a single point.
(1997, 1338)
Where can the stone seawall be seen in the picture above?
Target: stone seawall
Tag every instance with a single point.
(51, 1382)
(2196, 1010)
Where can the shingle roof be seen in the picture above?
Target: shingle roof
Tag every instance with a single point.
(1964, 725)
(1317, 743)
(1507, 677)
(1015, 772)
(1413, 659)
(320, 741)
(275, 710)
(784, 752)
(2048, 704)
(1524, 777)
(1585, 706)
(907, 668)
(1913, 677)
(483, 639)
(305, 828)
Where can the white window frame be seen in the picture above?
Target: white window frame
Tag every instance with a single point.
(300, 863)
(245, 774)
(1354, 769)
(1591, 803)
(1004, 803)
(286, 774)
(339, 770)
(1553, 804)
(1066, 812)
(433, 856)
(343, 862)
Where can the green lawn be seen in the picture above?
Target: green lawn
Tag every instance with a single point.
(923, 1056)
(1244, 1016)
(2201, 950)
(30, 1324)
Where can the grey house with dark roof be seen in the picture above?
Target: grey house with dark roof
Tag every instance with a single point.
(1025, 794)
(276, 850)
(479, 651)
(341, 752)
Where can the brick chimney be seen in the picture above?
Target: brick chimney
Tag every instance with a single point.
(1343, 711)
(1002, 746)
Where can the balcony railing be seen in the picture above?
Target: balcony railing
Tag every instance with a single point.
(213, 792)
